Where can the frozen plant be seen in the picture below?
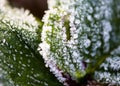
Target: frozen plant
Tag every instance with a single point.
(79, 35)
(79, 41)
(20, 62)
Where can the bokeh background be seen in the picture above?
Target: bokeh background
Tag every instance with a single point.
(36, 7)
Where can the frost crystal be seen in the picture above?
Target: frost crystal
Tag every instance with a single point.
(110, 69)
(77, 32)
(19, 59)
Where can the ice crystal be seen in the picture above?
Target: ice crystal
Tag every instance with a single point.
(77, 33)
(19, 58)
(109, 69)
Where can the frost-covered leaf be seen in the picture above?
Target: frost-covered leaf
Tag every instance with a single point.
(78, 35)
(20, 62)
(109, 71)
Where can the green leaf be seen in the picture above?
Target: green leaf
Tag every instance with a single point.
(20, 61)
(81, 46)
(109, 69)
